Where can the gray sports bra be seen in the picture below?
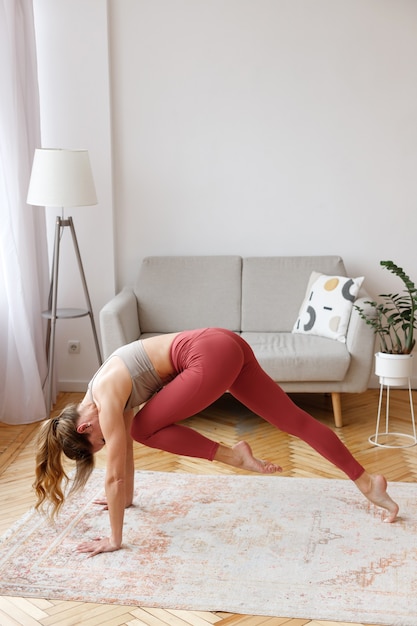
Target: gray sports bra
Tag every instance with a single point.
(145, 380)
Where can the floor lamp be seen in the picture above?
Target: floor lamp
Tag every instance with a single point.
(62, 178)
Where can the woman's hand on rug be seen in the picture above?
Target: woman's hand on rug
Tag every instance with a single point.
(98, 545)
(102, 502)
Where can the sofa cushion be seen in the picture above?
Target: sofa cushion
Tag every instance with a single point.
(292, 357)
(274, 287)
(327, 306)
(185, 292)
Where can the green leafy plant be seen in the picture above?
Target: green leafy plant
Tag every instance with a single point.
(395, 317)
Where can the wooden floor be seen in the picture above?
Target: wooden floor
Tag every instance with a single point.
(226, 421)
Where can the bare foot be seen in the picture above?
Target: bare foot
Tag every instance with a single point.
(374, 487)
(240, 455)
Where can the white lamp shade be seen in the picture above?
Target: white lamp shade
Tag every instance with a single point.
(61, 178)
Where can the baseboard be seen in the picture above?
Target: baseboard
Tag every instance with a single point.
(80, 386)
(75, 386)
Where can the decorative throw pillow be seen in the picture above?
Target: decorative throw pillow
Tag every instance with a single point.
(327, 306)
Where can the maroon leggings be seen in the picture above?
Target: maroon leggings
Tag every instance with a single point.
(208, 363)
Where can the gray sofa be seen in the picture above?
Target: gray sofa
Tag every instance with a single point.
(260, 298)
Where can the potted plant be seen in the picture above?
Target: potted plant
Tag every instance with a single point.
(394, 323)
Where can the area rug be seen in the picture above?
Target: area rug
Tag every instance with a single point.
(258, 545)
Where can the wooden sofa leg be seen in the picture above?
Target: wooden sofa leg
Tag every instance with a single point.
(337, 409)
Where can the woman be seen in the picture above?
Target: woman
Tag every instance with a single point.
(176, 376)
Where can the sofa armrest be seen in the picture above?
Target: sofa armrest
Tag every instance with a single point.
(360, 341)
(119, 321)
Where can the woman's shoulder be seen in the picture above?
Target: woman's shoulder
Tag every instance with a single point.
(113, 378)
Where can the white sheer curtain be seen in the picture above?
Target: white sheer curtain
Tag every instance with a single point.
(23, 245)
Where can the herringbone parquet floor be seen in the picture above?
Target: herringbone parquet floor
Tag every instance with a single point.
(225, 421)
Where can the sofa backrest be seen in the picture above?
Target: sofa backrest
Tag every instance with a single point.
(273, 289)
(185, 292)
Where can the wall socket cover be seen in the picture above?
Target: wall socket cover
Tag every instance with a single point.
(74, 346)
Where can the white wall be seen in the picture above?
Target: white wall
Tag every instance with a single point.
(72, 46)
(256, 127)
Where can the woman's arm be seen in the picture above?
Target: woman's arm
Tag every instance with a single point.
(115, 489)
(115, 482)
(130, 465)
(110, 397)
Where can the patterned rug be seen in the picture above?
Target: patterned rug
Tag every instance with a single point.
(259, 545)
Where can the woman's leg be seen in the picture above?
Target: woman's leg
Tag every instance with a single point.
(256, 390)
(210, 362)
(207, 363)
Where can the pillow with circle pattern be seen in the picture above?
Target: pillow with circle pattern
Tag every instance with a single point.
(327, 306)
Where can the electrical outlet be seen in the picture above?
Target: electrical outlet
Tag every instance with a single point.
(74, 346)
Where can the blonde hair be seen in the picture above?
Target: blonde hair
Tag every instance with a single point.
(59, 435)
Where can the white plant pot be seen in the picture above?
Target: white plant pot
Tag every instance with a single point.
(394, 370)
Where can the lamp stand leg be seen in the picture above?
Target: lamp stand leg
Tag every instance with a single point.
(53, 298)
(87, 297)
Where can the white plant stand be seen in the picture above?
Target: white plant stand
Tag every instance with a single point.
(391, 439)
